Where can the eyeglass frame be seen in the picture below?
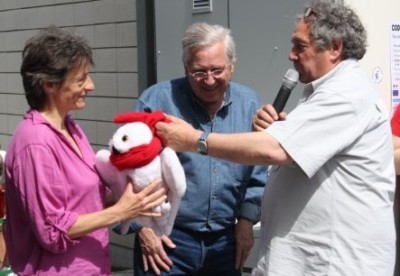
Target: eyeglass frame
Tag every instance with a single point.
(309, 12)
(202, 74)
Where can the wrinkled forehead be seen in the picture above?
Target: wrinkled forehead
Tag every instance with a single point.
(302, 33)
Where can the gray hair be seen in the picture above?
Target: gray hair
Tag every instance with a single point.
(330, 21)
(202, 35)
(50, 56)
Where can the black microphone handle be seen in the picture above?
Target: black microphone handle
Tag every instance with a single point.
(281, 98)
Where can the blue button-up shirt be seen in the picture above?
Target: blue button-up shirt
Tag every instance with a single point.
(218, 192)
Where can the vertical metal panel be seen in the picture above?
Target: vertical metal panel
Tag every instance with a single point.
(172, 17)
(261, 29)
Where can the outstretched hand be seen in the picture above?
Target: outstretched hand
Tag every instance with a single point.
(178, 134)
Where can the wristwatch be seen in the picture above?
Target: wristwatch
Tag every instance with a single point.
(202, 144)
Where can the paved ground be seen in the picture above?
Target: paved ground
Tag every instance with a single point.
(122, 273)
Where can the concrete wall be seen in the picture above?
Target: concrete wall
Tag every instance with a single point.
(377, 17)
(260, 28)
(110, 27)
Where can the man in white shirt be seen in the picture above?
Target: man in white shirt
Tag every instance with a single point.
(328, 202)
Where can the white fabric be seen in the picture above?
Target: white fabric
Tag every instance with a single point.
(331, 212)
(2, 159)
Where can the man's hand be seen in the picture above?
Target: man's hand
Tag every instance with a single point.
(153, 252)
(178, 134)
(244, 241)
(265, 116)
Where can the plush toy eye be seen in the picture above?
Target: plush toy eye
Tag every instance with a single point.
(124, 138)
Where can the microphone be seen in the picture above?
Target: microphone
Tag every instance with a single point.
(288, 83)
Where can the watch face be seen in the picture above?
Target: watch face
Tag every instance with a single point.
(202, 146)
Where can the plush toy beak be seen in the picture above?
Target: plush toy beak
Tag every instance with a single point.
(115, 151)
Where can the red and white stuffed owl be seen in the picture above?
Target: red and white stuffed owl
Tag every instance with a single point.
(137, 152)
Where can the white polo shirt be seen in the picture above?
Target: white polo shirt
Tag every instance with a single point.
(331, 212)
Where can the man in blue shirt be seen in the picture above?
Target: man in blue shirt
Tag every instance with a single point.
(213, 231)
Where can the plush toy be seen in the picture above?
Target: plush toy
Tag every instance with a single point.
(136, 151)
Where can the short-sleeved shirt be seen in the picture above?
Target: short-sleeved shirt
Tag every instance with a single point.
(331, 211)
(48, 185)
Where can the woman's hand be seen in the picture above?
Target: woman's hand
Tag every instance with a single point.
(142, 203)
(130, 205)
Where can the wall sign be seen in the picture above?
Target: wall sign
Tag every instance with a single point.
(395, 63)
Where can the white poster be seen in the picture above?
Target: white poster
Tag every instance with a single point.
(395, 63)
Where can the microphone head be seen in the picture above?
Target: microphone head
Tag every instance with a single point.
(290, 79)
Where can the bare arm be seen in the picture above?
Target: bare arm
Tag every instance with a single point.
(256, 148)
(244, 241)
(130, 205)
(396, 148)
(253, 148)
(396, 152)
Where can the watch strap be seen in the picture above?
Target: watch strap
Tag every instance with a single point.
(202, 143)
(203, 136)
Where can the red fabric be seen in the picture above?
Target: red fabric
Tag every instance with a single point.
(151, 119)
(138, 156)
(395, 122)
(143, 154)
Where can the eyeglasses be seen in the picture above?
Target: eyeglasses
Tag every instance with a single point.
(215, 73)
